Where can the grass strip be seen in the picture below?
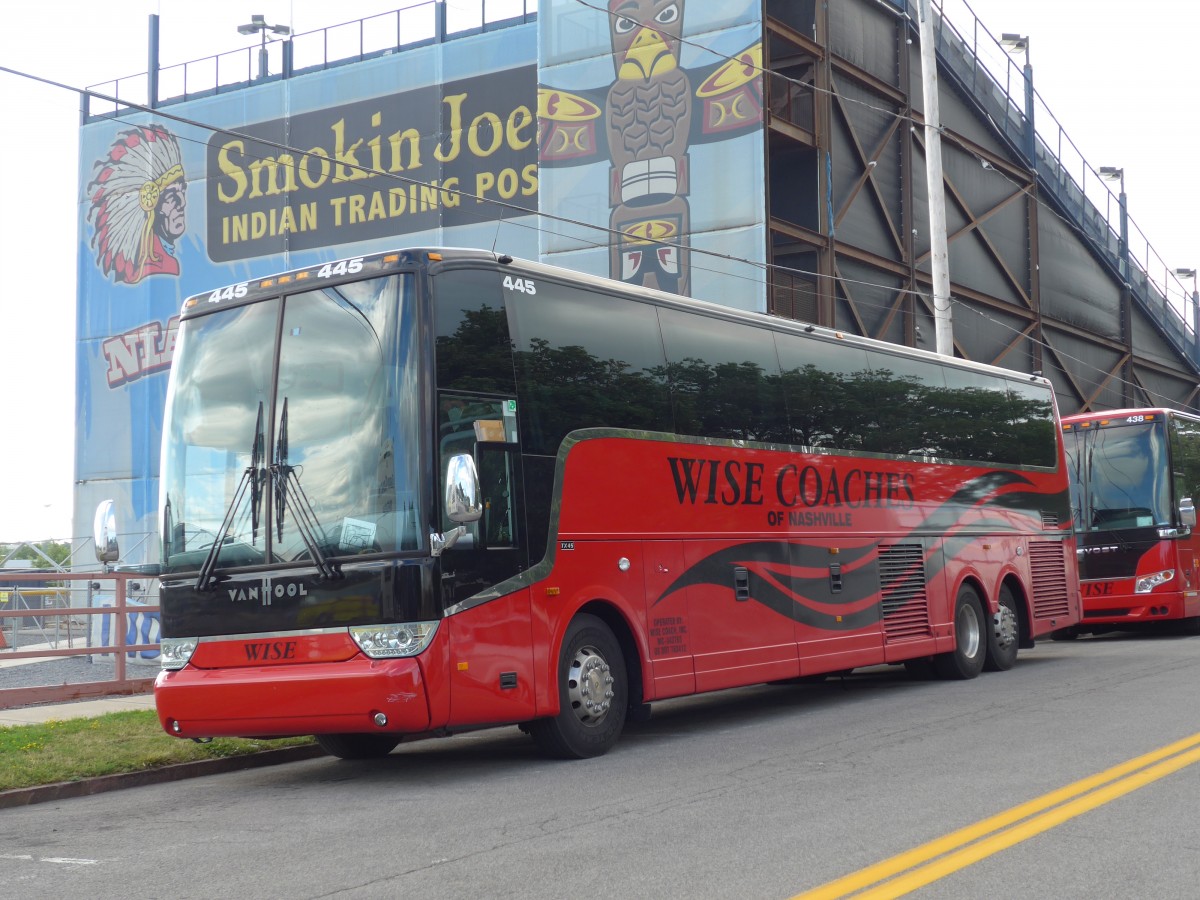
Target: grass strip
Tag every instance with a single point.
(112, 744)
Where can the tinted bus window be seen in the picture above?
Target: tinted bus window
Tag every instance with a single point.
(724, 377)
(971, 414)
(585, 360)
(1034, 431)
(827, 390)
(899, 385)
(1185, 458)
(473, 349)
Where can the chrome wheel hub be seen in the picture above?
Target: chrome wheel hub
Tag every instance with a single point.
(589, 685)
(1006, 627)
(970, 634)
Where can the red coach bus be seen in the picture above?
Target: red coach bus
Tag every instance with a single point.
(422, 492)
(1134, 474)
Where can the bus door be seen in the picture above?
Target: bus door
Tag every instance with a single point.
(493, 548)
(1185, 472)
(492, 676)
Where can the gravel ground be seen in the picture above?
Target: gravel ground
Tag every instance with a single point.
(56, 671)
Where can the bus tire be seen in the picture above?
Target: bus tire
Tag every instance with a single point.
(357, 746)
(970, 641)
(593, 694)
(1004, 633)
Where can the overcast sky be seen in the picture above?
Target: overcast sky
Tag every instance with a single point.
(1119, 77)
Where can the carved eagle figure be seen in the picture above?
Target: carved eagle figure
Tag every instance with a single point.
(649, 107)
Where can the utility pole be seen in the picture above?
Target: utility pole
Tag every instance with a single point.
(939, 254)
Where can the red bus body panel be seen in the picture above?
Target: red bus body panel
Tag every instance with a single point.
(657, 532)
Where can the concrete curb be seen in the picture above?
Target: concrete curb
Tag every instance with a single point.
(65, 790)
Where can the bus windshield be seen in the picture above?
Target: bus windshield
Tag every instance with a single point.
(291, 430)
(1119, 476)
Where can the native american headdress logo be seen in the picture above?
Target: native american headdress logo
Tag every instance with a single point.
(138, 194)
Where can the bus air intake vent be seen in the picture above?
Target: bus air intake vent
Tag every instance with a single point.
(1049, 521)
(1047, 566)
(902, 589)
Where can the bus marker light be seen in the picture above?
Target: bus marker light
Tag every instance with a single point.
(285, 279)
(176, 728)
(463, 666)
(553, 591)
(381, 720)
(623, 564)
(435, 257)
(270, 282)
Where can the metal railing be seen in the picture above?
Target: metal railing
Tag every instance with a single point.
(416, 25)
(47, 615)
(986, 69)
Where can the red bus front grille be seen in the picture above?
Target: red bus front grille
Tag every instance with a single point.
(902, 588)
(1047, 566)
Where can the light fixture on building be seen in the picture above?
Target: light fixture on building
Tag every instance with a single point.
(258, 25)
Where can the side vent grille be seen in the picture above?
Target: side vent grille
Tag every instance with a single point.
(902, 588)
(1050, 521)
(1046, 565)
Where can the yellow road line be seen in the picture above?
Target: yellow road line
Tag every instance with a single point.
(1000, 831)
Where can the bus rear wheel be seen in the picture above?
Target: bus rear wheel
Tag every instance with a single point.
(593, 694)
(357, 746)
(970, 644)
(1004, 635)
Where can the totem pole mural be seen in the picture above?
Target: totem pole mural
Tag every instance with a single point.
(647, 121)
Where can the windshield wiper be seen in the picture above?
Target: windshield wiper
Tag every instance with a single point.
(287, 487)
(251, 478)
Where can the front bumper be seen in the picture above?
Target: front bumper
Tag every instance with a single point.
(282, 701)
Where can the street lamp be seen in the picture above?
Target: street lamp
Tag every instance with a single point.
(1019, 43)
(258, 25)
(1191, 273)
(1111, 173)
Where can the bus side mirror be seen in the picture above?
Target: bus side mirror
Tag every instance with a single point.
(1187, 512)
(463, 503)
(104, 533)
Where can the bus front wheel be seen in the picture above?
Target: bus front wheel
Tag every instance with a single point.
(593, 694)
(970, 641)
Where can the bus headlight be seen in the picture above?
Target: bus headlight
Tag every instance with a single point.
(389, 641)
(176, 652)
(1147, 583)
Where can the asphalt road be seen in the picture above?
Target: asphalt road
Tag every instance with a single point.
(760, 792)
